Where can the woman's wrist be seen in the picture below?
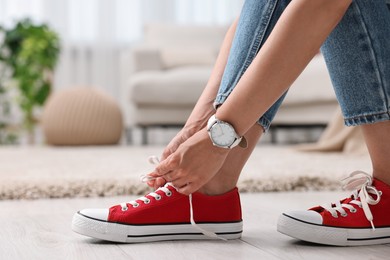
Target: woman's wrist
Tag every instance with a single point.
(198, 119)
(192, 127)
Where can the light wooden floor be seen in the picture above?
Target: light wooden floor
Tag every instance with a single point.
(41, 230)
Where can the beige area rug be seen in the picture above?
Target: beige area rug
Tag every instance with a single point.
(49, 172)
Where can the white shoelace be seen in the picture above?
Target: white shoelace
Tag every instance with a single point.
(360, 183)
(144, 178)
(145, 199)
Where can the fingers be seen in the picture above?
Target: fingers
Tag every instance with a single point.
(169, 171)
(179, 170)
(179, 180)
(156, 183)
(162, 173)
(187, 184)
(159, 183)
(168, 165)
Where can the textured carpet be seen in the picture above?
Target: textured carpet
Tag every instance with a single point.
(47, 172)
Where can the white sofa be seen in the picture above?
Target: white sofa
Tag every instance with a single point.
(165, 74)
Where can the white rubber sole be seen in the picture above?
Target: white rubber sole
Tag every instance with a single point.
(149, 233)
(330, 235)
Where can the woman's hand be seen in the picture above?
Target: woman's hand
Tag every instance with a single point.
(192, 164)
(194, 124)
(181, 137)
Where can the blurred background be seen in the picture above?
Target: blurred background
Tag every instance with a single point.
(93, 37)
(93, 33)
(99, 72)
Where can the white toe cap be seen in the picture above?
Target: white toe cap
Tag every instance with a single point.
(99, 214)
(306, 215)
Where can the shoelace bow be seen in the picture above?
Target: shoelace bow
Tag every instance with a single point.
(145, 178)
(360, 183)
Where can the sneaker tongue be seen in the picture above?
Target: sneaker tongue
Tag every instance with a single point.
(321, 209)
(318, 209)
(346, 200)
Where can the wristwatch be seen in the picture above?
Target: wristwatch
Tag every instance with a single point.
(222, 134)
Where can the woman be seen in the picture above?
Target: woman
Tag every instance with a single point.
(264, 51)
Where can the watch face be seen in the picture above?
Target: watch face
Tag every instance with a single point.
(222, 134)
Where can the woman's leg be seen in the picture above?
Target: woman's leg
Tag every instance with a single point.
(358, 58)
(227, 177)
(362, 82)
(377, 137)
(256, 22)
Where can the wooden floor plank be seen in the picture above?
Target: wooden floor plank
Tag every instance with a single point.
(41, 230)
(204, 250)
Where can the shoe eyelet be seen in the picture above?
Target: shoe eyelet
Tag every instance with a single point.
(136, 205)
(335, 216)
(344, 215)
(125, 208)
(380, 193)
(147, 201)
(169, 193)
(353, 210)
(158, 197)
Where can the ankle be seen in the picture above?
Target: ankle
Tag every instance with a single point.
(383, 176)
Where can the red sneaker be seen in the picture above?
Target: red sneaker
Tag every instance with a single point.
(164, 215)
(362, 219)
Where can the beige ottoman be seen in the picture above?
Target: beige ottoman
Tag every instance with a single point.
(81, 116)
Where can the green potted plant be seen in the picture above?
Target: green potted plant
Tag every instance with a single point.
(7, 130)
(31, 51)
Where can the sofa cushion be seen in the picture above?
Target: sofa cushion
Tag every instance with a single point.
(172, 57)
(185, 44)
(184, 36)
(165, 87)
(171, 88)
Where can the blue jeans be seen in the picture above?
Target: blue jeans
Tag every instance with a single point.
(357, 54)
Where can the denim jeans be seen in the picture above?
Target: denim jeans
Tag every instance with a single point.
(357, 54)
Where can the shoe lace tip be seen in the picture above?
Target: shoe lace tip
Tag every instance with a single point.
(372, 225)
(145, 178)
